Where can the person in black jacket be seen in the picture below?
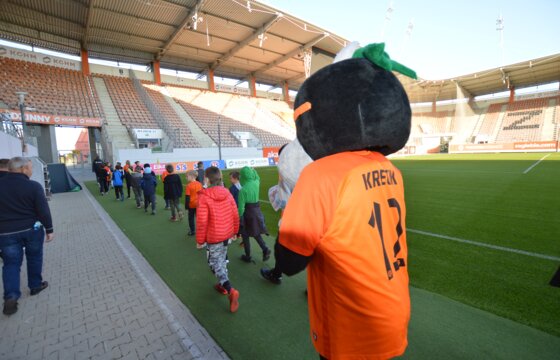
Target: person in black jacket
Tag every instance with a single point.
(4, 167)
(173, 192)
(24, 218)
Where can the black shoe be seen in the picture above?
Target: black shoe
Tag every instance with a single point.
(43, 286)
(191, 233)
(266, 254)
(246, 258)
(268, 275)
(10, 307)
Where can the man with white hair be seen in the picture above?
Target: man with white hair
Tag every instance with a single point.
(24, 218)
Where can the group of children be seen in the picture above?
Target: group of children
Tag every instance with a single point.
(216, 215)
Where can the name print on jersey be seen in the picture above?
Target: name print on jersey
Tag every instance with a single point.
(379, 178)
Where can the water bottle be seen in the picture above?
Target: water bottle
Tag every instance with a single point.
(37, 225)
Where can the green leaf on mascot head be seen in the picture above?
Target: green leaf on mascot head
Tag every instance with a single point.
(377, 55)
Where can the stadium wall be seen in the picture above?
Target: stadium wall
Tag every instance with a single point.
(176, 80)
(11, 146)
(185, 155)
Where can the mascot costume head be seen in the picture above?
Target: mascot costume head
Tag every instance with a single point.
(356, 103)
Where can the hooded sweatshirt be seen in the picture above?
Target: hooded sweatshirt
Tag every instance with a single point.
(216, 216)
(249, 193)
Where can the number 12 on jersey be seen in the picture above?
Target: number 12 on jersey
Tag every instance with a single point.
(376, 222)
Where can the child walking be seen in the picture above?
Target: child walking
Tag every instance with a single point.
(217, 221)
(148, 184)
(172, 192)
(118, 176)
(191, 198)
(135, 180)
(252, 218)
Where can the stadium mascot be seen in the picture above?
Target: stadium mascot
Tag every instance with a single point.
(345, 219)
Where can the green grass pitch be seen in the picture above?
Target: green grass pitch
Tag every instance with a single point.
(487, 199)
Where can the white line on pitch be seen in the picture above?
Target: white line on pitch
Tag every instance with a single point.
(535, 164)
(495, 247)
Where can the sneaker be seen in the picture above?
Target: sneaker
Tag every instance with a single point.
(167, 208)
(219, 288)
(43, 286)
(139, 206)
(266, 254)
(268, 275)
(145, 210)
(180, 215)
(173, 218)
(10, 306)
(246, 258)
(233, 300)
(153, 212)
(191, 233)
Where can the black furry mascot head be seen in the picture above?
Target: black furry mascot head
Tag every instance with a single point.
(354, 104)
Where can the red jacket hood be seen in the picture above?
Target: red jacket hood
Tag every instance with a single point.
(216, 193)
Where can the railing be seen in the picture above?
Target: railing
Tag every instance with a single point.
(158, 116)
(9, 127)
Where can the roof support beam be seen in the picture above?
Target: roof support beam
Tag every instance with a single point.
(180, 29)
(246, 41)
(290, 54)
(89, 15)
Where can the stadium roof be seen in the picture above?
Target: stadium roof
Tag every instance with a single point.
(235, 38)
(521, 75)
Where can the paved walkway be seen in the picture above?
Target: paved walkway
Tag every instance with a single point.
(104, 301)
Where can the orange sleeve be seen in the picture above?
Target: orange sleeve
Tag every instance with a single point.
(307, 213)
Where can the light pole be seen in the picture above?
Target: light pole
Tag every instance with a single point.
(219, 138)
(21, 103)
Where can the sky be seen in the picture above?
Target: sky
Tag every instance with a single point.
(448, 38)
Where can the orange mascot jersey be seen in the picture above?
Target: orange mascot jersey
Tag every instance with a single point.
(348, 211)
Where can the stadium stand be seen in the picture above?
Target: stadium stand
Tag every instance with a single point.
(131, 110)
(51, 90)
(278, 108)
(490, 121)
(523, 121)
(205, 107)
(430, 123)
(174, 121)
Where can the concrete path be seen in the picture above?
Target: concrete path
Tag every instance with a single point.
(104, 301)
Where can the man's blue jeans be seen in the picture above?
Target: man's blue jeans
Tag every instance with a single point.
(13, 246)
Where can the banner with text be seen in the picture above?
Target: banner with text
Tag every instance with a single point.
(184, 166)
(47, 119)
(148, 133)
(24, 55)
(239, 163)
(232, 89)
(533, 146)
(271, 153)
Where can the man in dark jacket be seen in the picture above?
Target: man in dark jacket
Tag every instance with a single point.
(24, 218)
(148, 184)
(4, 167)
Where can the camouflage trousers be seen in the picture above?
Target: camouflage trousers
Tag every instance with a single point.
(217, 260)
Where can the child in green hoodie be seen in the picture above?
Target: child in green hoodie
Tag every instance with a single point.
(250, 214)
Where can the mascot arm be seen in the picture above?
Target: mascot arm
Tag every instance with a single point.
(289, 262)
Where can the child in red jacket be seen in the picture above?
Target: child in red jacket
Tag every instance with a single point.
(217, 221)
